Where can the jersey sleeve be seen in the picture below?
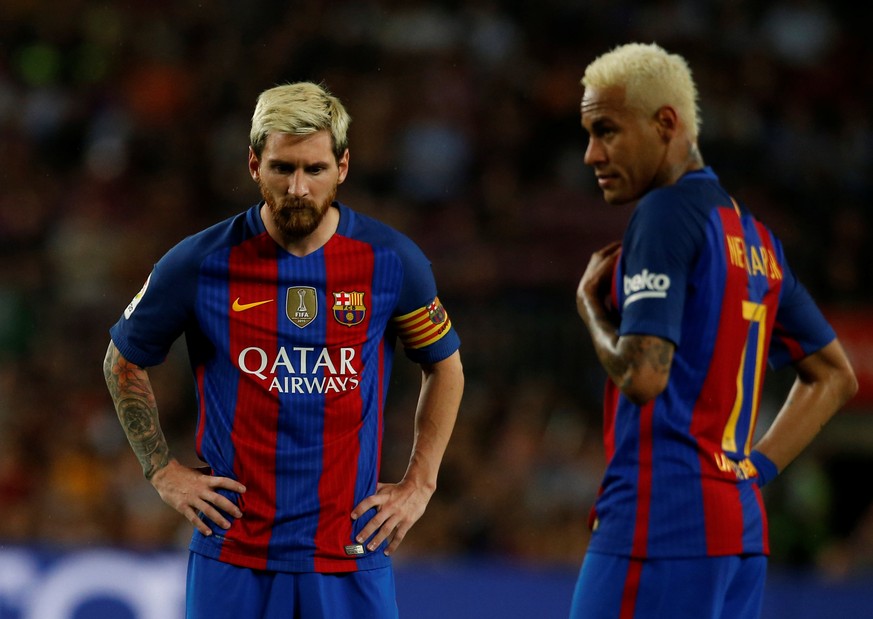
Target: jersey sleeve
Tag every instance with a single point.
(159, 312)
(800, 329)
(421, 322)
(658, 251)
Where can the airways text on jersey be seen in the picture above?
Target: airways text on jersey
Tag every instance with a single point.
(302, 369)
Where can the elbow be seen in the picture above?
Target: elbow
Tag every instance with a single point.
(842, 378)
(640, 397)
(848, 384)
(109, 362)
(830, 372)
(640, 391)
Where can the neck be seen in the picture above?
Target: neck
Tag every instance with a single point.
(676, 166)
(694, 159)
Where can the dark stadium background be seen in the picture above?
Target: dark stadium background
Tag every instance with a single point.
(123, 127)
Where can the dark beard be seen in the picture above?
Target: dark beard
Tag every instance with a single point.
(296, 218)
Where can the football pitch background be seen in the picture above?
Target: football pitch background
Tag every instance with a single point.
(114, 584)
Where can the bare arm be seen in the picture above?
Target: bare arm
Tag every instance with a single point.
(825, 382)
(135, 405)
(186, 490)
(401, 505)
(638, 364)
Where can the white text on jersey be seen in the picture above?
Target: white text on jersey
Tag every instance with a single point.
(645, 285)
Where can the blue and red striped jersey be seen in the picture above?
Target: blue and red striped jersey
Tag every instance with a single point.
(291, 358)
(696, 268)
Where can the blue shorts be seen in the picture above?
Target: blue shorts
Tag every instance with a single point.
(219, 590)
(612, 587)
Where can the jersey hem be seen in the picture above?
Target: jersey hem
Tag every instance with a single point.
(374, 561)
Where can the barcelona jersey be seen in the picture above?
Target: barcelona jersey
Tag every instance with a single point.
(697, 269)
(291, 358)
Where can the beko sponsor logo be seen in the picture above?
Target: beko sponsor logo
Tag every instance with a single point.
(645, 285)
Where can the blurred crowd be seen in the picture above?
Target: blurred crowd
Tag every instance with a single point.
(124, 127)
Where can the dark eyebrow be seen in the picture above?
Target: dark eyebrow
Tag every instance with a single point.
(278, 161)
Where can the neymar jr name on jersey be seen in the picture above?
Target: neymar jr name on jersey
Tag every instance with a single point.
(755, 260)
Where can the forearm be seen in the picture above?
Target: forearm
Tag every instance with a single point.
(137, 411)
(604, 337)
(440, 398)
(801, 418)
(824, 384)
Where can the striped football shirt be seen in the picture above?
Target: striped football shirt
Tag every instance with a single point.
(697, 269)
(291, 359)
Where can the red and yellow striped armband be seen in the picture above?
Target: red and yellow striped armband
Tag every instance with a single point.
(423, 326)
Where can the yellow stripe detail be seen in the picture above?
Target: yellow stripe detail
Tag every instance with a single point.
(411, 316)
(417, 330)
(433, 335)
(754, 313)
(757, 313)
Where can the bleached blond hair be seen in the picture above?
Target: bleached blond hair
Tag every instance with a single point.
(652, 78)
(299, 108)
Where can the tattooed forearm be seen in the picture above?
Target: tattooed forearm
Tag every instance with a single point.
(144, 433)
(137, 411)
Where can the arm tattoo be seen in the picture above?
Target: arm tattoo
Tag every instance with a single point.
(137, 411)
(642, 351)
(656, 352)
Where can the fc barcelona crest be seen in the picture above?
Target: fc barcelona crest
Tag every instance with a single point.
(436, 312)
(301, 305)
(349, 308)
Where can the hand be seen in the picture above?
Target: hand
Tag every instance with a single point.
(398, 507)
(596, 283)
(191, 492)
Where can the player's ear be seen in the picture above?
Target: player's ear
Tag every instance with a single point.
(342, 165)
(666, 122)
(254, 165)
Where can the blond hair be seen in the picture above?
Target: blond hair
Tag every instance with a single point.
(300, 109)
(651, 77)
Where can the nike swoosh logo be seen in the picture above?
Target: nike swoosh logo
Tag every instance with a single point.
(241, 307)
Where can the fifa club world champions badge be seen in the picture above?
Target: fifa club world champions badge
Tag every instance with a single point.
(301, 305)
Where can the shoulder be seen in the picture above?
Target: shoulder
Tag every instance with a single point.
(193, 249)
(227, 232)
(666, 213)
(695, 195)
(355, 225)
(683, 207)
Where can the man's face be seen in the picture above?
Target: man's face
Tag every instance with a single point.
(298, 177)
(624, 147)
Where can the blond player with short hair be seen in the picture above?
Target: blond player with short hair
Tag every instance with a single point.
(684, 314)
(291, 311)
